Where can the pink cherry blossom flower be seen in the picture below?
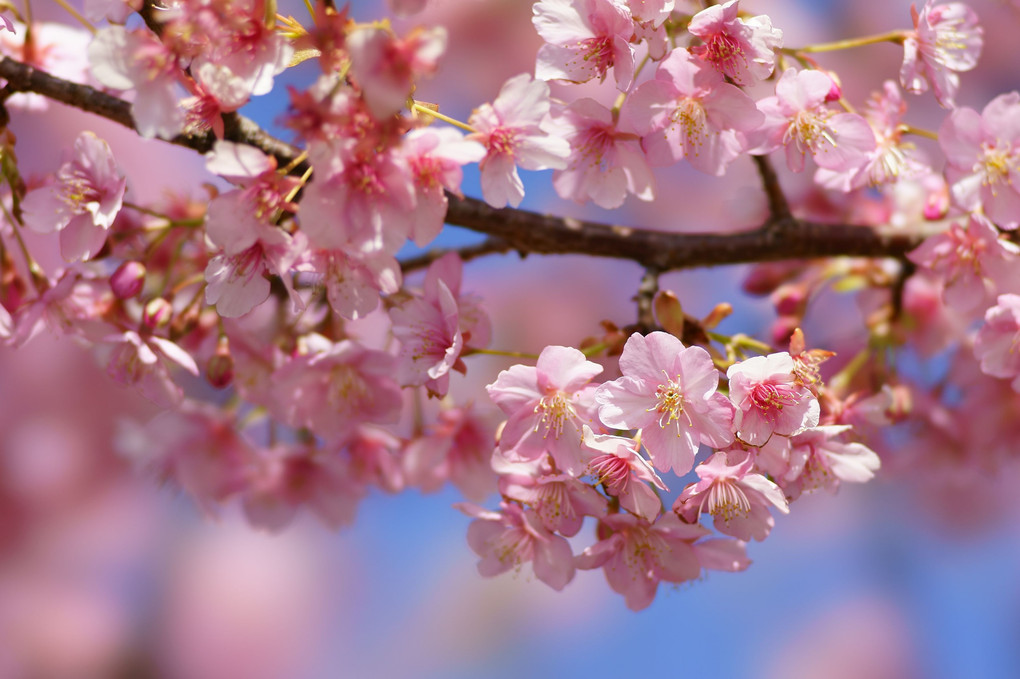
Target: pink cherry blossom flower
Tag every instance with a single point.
(974, 263)
(584, 39)
(818, 460)
(515, 131)
(997, 345)
(983, 158)
(769, 399)
(744, 50)
(242, 222)
(355, 279)
(83, 202)
(606, 162)
(798, 119)
(636, 555)
(561, 501)
(624, 474)
(456, 448)
(335, 387)
(145, 363)
(125, 60)
(688, 111)
(431, 330)
(737, 497)
(435, 158)
(512, 537)
(946, 39)
(546, 406)
(386, 67)
(668, 391)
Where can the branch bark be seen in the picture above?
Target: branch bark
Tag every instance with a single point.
(781, 237)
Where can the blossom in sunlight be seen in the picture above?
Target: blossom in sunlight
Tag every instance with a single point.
(743, 50)
(515, 131)
(668, 391)
(946, 40)
(547, 405)
(769, 399)
(83, 201)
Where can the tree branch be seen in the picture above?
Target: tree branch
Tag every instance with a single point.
(780, 237)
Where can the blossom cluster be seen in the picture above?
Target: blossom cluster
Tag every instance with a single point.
(283, 284)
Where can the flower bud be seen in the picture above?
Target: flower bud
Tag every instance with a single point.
(157, 313)
(219, 371)
(836, 91)
(128, 280)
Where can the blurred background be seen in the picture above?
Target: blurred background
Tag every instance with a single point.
(103, 573)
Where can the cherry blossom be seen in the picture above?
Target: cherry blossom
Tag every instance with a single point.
(546, 406)
(624, 474)
(973, 262)
(145, 362)
(983, 158)
(457, 448)
(84, 201)
(560, 500)
(688, 111)
(515, 130)
(769, 399)
(735, 495)
(512, 537)
(668, 391)
(996, 342)
(946, 39)
(743, 50)
(798, 120)
(818, 460)
(386, 67)
(636, 555)
(606, 163)
(585, 38)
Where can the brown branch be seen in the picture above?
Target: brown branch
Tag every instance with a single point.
(779, 208)
(779, 238)
(644, 298)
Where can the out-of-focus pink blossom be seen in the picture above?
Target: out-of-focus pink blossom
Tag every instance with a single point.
(668, 391)
(973, 262)
(946, 39)
(546, 406)
(983, 158)
(84, 201)
(997, 344)
(584, 39)
(688, 111)
(606, 162)
(456, 448)
(769, 399)
(512, 537)
(744, 50)
(386, 67)
(515, 130)
(135, 59)
(145, 362)
(735, 495)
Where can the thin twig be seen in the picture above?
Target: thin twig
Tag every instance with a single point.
(779, 208)
(488, 246)
(645, 294)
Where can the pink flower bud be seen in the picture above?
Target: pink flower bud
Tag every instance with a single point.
(128, 280)
(219, 371)
(836, 91)
(157, 313)
(789, 299)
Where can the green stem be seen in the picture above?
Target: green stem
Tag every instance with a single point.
(418, 108)
(497, 352)
(892, 36)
